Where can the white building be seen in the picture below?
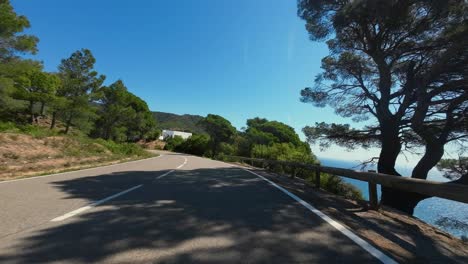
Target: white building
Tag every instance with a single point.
(171, 133)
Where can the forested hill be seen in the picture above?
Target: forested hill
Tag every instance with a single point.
(178, 122)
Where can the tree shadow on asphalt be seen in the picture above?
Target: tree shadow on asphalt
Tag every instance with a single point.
(222, 215)
(419, 246)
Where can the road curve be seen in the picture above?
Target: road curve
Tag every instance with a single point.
(171, 209)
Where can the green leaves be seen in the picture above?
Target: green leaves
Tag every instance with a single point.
(219, 129)
(262, 131)
(341, 135)
(122, 115)
(80, 84)
(11, 41)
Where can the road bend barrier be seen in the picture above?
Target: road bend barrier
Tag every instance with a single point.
(451, 191)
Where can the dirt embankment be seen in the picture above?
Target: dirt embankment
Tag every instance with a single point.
(24, 155)
(155, 145)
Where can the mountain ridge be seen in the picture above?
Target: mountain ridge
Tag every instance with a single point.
(185, 122)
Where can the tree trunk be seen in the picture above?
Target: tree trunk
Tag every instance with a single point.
(433, 153)
(432, 156)
(31, 112)
(213, 149)
(68, 124)
(42, 108)
(391, 147)
(54, 117)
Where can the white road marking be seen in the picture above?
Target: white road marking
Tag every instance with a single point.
(85, 208)
(362, 243)
(181, 165)
(171, 171)
(165, 174)
(82, 209)
(94, 168)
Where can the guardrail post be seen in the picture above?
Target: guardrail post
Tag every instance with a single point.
(373, 200)
(317, 177)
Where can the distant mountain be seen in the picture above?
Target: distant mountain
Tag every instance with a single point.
(187, 123)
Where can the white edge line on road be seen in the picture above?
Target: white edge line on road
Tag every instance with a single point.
(93, 168)
(82, 209)
(362, 243)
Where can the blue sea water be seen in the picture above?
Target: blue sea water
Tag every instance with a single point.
(430, 210)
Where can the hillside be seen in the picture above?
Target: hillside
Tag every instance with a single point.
(185, 122)
(40, 151)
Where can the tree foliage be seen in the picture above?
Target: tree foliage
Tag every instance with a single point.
(122, 115)
(80, 84)
(197, 144)
(12, 41)
(400, 66)
(172, 143)
(454, 169)
(37, 87)
(219, 129)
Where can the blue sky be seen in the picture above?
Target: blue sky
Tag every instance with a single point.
(238, 59)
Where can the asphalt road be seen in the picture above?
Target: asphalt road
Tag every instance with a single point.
(170, 209)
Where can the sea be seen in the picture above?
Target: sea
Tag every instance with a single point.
(447, 215)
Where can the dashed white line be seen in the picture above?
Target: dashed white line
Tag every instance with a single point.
(94, 204)
(82, 209)
(165, 174)
(171, 171)
(362, 243)
(181, 165)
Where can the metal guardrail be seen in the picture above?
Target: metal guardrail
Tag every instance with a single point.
(451, 191)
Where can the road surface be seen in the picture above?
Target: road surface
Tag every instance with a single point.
(171, 209)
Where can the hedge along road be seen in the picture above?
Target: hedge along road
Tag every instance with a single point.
(170, 209)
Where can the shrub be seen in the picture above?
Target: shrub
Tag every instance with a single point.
(152, 135)
(36, 131)
(126, 149)
(173, 142)
(197, 144)
(8, 127)
(337, 185)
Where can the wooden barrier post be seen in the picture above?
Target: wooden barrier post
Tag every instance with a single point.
(373, 199)
(317, 177)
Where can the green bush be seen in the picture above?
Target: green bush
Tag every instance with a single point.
(197, 144)
(8, 127)
(152, 135)
(32, 130)
(126, 149)
(37, 132)
(337, 185)
(173, 142)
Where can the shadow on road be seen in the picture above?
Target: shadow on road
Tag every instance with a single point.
(222, 215)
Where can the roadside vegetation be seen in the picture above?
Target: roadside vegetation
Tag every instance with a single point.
(31, 150)
(65, 119)
(263, 139)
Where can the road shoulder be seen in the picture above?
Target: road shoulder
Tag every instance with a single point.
(403, 237)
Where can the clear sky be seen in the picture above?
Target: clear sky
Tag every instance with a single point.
(238, 59)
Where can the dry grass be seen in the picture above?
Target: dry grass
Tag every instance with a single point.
(24, 155)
